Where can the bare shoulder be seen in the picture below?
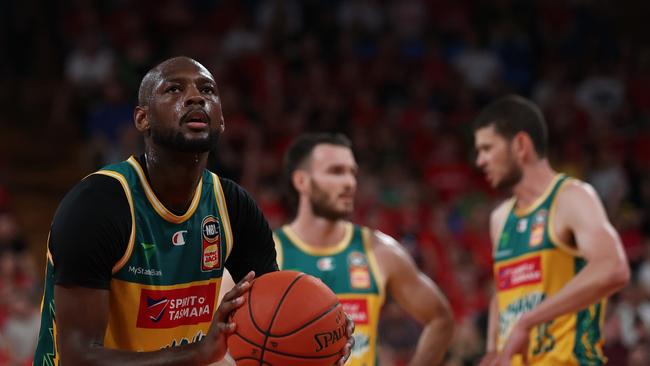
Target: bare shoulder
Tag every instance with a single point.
(578, 197)
(575, 189)
(392, 257)
(386, 245)
(578, 205)
(498, 218)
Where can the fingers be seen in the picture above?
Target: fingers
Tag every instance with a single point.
(226, 328)
(347, 350)
(240, 287)
(228, 306)
(350, 328)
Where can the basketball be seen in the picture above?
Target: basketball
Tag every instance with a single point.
(289, 319)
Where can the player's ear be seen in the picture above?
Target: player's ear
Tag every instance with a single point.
(300, 180)
(141, 119)
(520, 143)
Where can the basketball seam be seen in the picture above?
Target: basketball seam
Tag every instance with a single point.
(308, 323)
(250, 310)
(278, 352)
(277, 309)
(308, 357)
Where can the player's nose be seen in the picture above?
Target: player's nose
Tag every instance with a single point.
(194, 97)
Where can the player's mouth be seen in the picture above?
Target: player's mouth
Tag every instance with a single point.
(196, 119)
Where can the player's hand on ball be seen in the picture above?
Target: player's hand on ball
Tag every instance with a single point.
(347, 349)
(213, 347)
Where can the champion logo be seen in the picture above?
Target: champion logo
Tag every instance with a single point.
(178, 238)
(156, 308)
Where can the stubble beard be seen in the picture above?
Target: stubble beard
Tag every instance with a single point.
(321, 206)
(511, 178)
(175, 140)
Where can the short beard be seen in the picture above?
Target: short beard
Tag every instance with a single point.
(174, 140)
(511, 179)
(320, 205)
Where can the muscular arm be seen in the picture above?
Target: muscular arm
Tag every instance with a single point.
(82, 317)
(419, 297)
(580, 211)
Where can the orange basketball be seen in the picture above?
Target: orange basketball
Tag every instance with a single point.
(289, 319)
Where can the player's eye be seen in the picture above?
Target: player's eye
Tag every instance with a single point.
(207, 90)
(173, 89)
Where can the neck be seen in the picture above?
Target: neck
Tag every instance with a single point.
(535, 179)
(317, 231)
(174, 176)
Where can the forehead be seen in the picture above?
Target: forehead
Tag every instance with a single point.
(328, 154)
(487, 134)
(184, 69)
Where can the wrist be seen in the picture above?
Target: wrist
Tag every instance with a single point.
(526, 322)
(198, 353)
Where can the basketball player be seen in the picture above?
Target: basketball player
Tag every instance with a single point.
(137, 250)
(359, 264)
(556, 255)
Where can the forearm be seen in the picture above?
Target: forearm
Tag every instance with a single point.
(594, 282)
(100, 356)
(433, 342)
(493, 326)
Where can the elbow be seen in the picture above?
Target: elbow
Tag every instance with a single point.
(445, 321)
(619, 276)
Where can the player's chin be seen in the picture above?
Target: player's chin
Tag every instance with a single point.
(346, 210)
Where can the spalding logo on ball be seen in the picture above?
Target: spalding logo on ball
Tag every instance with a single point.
(289, 319)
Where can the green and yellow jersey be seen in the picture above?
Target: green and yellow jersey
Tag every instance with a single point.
(350, 270)
(531, 264)
(165, 278)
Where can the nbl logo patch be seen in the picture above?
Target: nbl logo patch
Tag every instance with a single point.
(211, 254)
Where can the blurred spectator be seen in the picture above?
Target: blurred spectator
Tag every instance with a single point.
(479, 66)
(20, 330)
(402, 78)
(90, 64)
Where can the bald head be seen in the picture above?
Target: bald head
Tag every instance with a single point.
(154, 76)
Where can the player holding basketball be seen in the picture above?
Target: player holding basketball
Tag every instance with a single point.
(556, 255)
(137, 250)
(360, 265)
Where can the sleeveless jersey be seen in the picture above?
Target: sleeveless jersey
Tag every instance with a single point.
(164, 290)
(350, 270)
(531, 264)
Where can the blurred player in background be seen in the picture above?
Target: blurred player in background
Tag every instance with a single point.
(137, 250)
(360, 265)
(556, 255)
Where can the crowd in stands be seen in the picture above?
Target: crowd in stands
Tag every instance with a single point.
(403, 79)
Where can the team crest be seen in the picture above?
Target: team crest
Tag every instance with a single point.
(522, 225)
(211, 255)
(359, 272)
(325, 264)
(537, 229)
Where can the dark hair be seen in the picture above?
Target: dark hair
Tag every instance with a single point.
(513, 114)
(298, 153)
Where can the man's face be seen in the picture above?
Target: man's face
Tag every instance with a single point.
(332, 181)
(185, 108)
(494, 158)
